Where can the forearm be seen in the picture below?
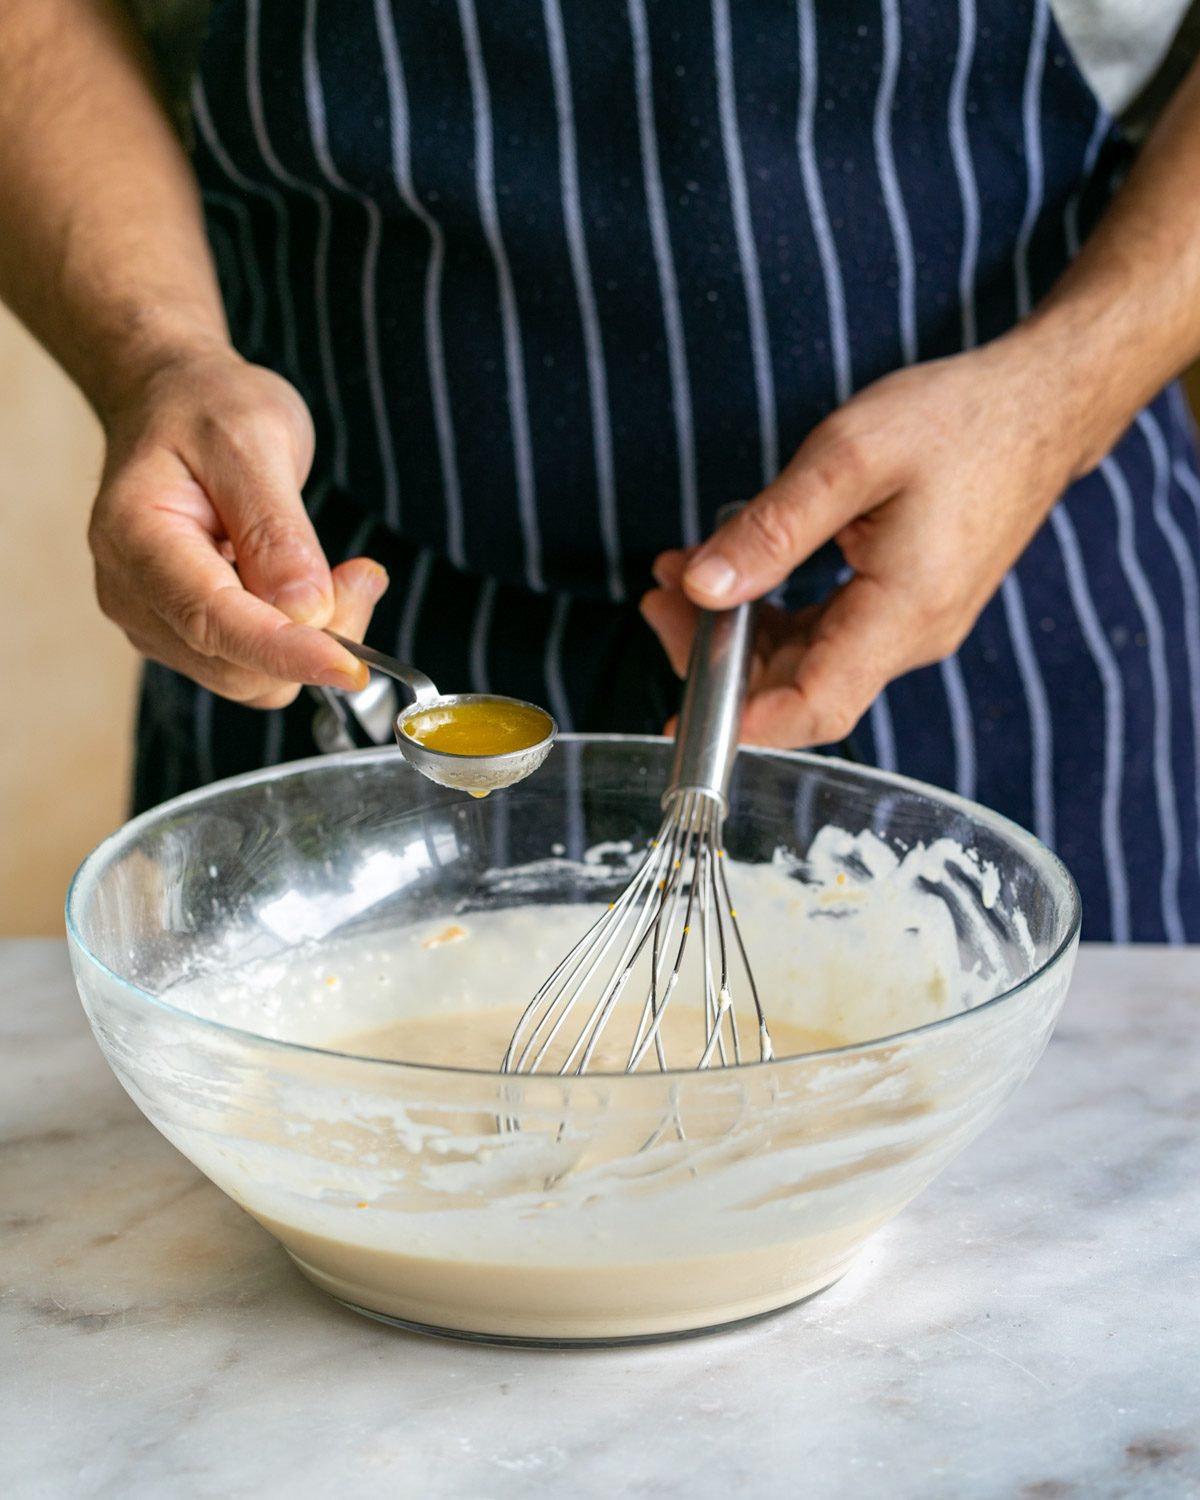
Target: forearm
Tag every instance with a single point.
(103, 254)
(1124, 319)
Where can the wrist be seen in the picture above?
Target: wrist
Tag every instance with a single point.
(152, 344)
(1082, 382)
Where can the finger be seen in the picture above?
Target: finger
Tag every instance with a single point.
(857, 645)
(781, 640)
(252, 471)
(245, 689)
(358, 586)
(154, 639)
(233, 624)
(122, 594)
(668, 567)
(672, 617)
(201, 598)
(832, 479)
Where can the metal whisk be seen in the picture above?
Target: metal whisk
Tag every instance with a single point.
(679, 894)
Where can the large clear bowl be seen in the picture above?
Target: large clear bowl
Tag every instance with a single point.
(599, 1208)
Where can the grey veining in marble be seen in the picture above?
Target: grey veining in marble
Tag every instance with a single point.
(1028, 1328)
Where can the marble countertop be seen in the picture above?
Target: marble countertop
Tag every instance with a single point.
(1028, 1328)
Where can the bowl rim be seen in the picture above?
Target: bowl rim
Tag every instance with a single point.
(1032, 846)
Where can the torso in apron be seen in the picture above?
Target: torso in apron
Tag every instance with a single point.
(558, 279)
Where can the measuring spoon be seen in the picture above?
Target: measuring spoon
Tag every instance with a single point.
(462, 717)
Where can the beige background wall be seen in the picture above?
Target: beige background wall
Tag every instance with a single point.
(67, 712)
(68, 674)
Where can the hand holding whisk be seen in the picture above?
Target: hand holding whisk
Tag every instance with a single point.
(677, 904)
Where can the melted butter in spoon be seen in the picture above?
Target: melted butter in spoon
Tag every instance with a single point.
(482, 727)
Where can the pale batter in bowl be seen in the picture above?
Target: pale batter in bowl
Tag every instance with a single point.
(447, 994)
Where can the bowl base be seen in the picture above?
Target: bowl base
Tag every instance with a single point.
(625, 1341)
(578, 1307)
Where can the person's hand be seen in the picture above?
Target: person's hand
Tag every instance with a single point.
(204, 554)
(931, 481)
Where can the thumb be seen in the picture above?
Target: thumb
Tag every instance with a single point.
(358, 586)
(672, 618)
(254, 485)
(827, 484)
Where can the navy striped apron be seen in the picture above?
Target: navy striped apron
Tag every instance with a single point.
(557, 279)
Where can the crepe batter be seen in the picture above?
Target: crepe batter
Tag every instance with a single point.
(511, 1207)
(475, 1039)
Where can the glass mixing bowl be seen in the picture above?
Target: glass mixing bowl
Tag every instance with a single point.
(536, 1208)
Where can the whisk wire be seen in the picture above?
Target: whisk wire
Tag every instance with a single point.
(593, 1027)
(667, 900)
(694, 824)
(597, 940)
(650, 1022)
(721, 1009)
(766, 1051)
(710, 987)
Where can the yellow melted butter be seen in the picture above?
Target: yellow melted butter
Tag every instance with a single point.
(491, 726)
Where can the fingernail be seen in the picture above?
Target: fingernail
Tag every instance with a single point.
(377, 583)
(711, 575)
(346, 682)
(301, 601)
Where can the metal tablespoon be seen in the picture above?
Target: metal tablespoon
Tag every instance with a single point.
(477, 774)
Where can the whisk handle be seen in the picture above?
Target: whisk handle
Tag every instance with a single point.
(718, 671)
